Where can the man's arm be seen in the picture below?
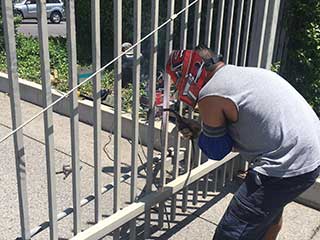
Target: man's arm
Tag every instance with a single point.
(214, 139)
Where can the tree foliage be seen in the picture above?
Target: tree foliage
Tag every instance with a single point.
(302, 64)
(107, 16)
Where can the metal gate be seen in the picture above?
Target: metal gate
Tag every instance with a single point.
(243, 31)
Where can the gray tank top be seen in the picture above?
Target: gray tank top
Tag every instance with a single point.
(276, 131)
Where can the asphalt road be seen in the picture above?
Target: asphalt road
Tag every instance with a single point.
(29, 27)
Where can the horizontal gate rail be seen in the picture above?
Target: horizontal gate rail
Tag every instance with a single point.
(136, 209)
(83, 202)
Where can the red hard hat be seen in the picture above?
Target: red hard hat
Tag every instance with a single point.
(186, 69)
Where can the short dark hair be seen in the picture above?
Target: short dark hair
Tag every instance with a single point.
(207, 54)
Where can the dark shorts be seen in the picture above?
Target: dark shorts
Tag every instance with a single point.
(259, 203)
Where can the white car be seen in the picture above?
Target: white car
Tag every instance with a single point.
(27, 9)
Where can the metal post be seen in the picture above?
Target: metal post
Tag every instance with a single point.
(236, 45)
(231, 170)
(175, 171)
(187, 156)
(270, 35)
(227, 44)
(224, 174)
(117, 113)
(96, 65)
(197, 158)
(196, 39)
(14, 92)
(183, 45)
(207, 42)
(164, 140)
(135, 112)
(74, 115)
(219, 29)
(47, 117)
(208, 33)
(280, 34)
(197, 20)
(215, 176)
(205, 181)
(152, 90)
(187, 168)
(258, 33)
(246, 32)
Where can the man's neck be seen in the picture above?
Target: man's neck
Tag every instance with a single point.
(214, 70)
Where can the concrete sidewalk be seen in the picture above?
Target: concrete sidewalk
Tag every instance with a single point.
(199, 222)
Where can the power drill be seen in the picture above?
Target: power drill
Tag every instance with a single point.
(189, 128)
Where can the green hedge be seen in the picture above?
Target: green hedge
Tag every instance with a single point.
(28, 56)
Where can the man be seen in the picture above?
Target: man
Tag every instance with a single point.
(267, 121)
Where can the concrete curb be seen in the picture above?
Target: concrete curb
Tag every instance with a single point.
(32, 92)
(311, 197)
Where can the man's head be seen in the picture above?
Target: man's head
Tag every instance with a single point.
(211, 59)
(189, 70)
(186, 69)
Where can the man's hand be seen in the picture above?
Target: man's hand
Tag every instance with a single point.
(189, 128)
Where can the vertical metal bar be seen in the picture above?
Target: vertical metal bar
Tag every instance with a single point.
(196, 184)
(207, 42)
(270, 35)
(246, 31)
(117, 114)
(175, 171)
(196, 38)
(135, 112)
(224, 173)
(184, 25)
(74, 115)
(165, 119)
(96, 65)
(205, 181)
(235, 54)
(187, 167)
(197, 20)
(231, 170)
(48, 123)
(219, 29)
(152, 90)
(258, 33)
(215, 176)
(183, 45)
(227, 44)
(188, 154)
(207, 39)
(10, 44)
(280, 33)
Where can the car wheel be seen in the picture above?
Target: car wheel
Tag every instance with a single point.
(55, 17)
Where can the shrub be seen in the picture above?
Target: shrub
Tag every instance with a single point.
(28, 56)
